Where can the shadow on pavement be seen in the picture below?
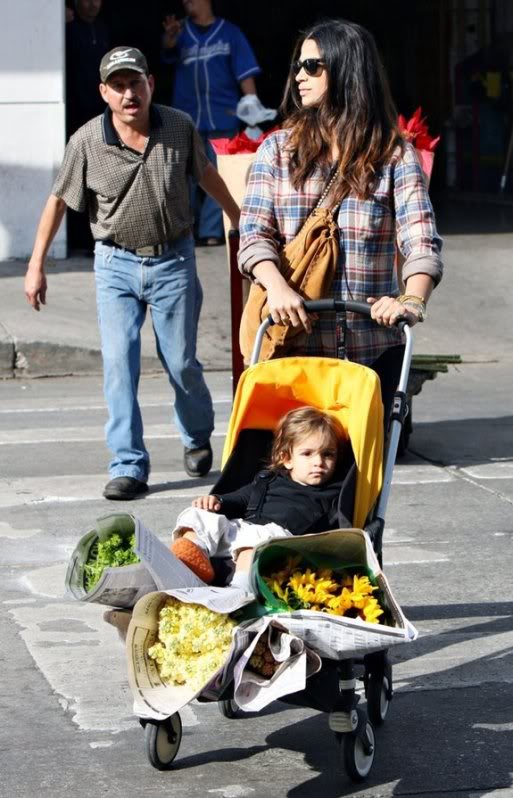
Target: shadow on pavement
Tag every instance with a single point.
(200, 483)
(463, 442)
(450, 738)
(434, 742)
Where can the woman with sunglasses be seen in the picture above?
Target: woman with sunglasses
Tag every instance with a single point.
(340, 122)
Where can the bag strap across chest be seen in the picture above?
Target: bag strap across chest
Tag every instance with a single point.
(258, 492)
(329, 185)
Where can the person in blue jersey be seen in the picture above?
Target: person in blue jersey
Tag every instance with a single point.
(214, 66)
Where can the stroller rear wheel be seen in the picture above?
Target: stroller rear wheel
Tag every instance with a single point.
(377, 680)
(378, 690)
(229, 708)
(358, 749)
(163, 740)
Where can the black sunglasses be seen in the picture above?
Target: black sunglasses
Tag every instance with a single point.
(312, 66)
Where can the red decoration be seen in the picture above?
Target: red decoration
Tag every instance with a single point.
(415, 130)
(239, 143)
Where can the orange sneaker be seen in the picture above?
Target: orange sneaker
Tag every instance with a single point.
(194, 558)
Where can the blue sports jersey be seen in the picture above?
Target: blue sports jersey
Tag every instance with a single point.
(210, 63)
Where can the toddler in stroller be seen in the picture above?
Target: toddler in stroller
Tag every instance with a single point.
(300, 492)
(350, 394)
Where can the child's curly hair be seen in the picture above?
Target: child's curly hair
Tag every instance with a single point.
(298, 424)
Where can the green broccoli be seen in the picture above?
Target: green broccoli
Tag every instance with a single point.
(114, 552)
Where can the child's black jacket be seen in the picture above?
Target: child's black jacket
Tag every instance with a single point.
(302, 509)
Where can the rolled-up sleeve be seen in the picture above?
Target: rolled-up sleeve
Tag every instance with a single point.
(70, 183)
(198, 158)
(259, 235)
(417, 236)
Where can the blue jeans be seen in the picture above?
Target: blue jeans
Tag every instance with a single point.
(209, 216)
(126, 285)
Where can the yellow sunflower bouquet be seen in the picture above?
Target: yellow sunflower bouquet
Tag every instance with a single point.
(193, 643)
(296, 586)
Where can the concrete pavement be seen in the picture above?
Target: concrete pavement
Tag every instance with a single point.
(470, 314)
(63, 337)
(448, 547)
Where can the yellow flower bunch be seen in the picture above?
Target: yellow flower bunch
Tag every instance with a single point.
(325, 591)
(193, 643)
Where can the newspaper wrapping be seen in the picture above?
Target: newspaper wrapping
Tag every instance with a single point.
(123, 587)
(297, 640)
(156, 699)
(331, 636)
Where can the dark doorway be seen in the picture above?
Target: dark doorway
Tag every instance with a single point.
(411, 35)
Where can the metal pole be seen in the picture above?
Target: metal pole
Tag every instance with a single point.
(236, 305)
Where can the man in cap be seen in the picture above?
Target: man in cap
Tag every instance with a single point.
(130, 168)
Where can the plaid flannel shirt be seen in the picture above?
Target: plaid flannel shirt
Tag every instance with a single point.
(399, 211)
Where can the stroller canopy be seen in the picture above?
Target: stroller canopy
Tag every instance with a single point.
(348, 391)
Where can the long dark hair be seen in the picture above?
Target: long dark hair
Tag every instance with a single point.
(357, 110)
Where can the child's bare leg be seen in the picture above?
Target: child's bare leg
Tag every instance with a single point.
(242, 565)
(243, 561)
(190, 534)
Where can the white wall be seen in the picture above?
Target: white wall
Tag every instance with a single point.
(32, 119)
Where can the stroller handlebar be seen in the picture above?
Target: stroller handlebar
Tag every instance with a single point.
(336, 306)
(323, 306)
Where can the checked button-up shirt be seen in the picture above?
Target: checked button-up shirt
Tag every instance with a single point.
(135, 199)
(397, 214)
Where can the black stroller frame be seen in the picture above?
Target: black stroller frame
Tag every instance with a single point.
(352, 725)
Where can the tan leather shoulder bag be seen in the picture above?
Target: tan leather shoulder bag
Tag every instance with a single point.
(308, 263)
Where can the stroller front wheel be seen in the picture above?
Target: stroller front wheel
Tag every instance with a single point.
(163, 740)
(228, 708)
(379, 695)
(358, 750)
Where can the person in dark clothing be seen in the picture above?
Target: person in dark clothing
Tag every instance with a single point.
(298, 494)
(87, 41)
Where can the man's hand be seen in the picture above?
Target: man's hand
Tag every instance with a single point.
(35, 279)
(35, 286)
(210, 503)
(172, 27)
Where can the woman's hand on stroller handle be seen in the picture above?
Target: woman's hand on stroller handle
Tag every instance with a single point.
(389, 311)
(286, 306)
(339, 306)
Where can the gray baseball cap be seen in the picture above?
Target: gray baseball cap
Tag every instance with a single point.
(122, 58)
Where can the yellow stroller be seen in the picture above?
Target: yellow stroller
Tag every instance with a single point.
(351, 393)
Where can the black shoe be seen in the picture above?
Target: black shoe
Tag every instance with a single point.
(124, 488)
(198, 462)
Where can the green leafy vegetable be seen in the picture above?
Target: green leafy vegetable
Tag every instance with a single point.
(114, 552)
